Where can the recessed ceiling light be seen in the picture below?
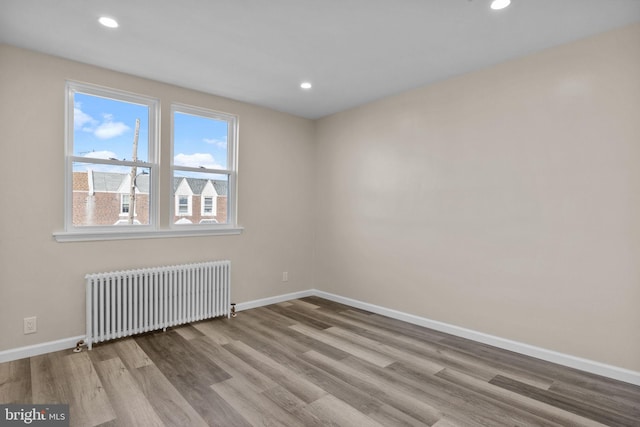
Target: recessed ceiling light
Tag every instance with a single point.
(108, 22)
(500, 4)
(305, 85)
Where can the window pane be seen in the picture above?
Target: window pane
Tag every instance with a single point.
(191, 192)
(104, 128)
(102, 195)
(201, 139)
(208, 205)
(124, 204)
(183, 205)
(199, 142)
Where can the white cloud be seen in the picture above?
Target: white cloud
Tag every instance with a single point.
(80, 118)
(196, 160)
(110, 129)
(220, 143)
(101, 155)
(105, 130)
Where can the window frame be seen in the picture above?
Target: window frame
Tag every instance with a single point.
(231, 171)
(152, 163)
(159, 215)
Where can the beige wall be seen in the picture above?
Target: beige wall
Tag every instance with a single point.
(506, 201)
(39, 277)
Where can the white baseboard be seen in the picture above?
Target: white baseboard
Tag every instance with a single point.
(38, 349)
(68, 343)
(586, 365)
(274, 300)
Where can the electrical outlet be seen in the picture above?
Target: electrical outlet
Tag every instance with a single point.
(30, 325)
(285, 276)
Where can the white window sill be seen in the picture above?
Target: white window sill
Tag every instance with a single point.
(87, 236)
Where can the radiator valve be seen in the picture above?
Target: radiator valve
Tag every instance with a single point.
(233, 309)
(79, 346)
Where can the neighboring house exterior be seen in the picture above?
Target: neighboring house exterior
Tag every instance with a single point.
(103, 198)
(199, 201)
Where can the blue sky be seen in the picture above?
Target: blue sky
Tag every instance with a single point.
(104, 128)
(199, 141)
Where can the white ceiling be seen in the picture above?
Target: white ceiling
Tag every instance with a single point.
(259, 51)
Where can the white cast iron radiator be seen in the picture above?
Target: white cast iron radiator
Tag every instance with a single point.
(123, 303)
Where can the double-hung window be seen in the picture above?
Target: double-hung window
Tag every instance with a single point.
(204, 167)
(115, 181)
(112, 169)
(207, 206)
(124, 204)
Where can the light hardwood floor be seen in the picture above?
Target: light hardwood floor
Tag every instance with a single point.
(313, 362)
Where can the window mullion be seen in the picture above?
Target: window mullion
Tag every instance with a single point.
(203, 170)
(139, 163)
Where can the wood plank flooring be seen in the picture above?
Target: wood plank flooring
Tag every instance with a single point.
(313, 362)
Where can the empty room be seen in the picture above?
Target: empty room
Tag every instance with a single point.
(309, 213)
